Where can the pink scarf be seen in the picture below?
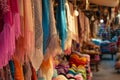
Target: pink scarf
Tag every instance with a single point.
(9, 32)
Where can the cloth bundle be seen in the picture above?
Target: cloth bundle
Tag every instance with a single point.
(77, 60)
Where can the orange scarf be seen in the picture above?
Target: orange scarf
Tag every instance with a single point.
(18, 75)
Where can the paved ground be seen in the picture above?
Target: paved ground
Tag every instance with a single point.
(106, 71)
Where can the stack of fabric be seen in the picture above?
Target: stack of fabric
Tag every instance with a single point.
(77, 69)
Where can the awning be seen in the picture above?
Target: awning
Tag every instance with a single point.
(110, 3)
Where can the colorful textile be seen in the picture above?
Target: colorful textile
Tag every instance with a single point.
(68, 41)
(60, 77)
(55, 73)
(10, 30)
(45, 23)
(18, 75)
(11, 64)
(53, 43)
(27, 71)
(81, 25)
(37, 57)
(62, 69)
(7, 72)
(20, 45)
(34, 75)
(61, 21)
(77, 60)
(16, 16)
(2, 77)
(29, 28)
(46, 69)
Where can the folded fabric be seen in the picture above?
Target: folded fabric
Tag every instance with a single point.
(55, 73)
(77, 60)
(78, 77)
(62, 69)
(82, 71)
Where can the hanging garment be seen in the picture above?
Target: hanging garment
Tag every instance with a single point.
(27, 71)
(82, 25)
(95, 29)
(46, 69)
(7, 72)
(53, 42)
(1, 18)
(11, 64)
(10, 30)
(87, 29)
(34, 75)
(2, 75)
(16, 16)
(18, 74)
(68, 41)
(91, 28)
(72, 22)
(20, 43)
(61, 21)
(37, 57)
(45, 22)
(29, 28)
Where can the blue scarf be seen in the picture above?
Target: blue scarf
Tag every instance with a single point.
(11, 68)
(61, 21)
(45, 22)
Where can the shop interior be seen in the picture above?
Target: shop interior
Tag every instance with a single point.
(59, 39)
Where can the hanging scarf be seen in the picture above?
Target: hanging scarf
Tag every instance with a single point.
(29, 29)
(61, 21)
(16, 17)
(53, 43)
(34, 75)
(7, 72)
(87, 29)
(37, 57)
(11, 64)
(18, 75)
(10, 30)
(81, 26)
(27, 71)
(20, 48)
(2, 76)
(45, 23)
(46, 68)
(68, 40)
